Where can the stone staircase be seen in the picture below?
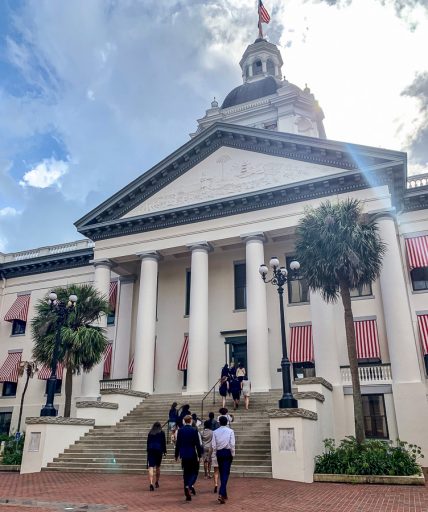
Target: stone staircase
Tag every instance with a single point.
(122, 448)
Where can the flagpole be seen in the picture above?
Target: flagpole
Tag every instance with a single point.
(260, 21)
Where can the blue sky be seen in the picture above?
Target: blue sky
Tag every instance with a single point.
(92, 94)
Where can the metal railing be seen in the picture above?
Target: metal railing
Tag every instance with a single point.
(377, 374)
(211, 391)
(115, 384)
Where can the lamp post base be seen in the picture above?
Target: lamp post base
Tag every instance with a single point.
(288, 403)
(48, 410)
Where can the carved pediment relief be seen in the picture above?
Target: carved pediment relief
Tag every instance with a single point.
(230, 172)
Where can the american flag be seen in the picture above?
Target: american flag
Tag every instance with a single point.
(263, 14)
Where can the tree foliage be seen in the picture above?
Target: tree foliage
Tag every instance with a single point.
(82, 341)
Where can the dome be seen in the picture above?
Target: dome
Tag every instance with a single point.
(251, 91)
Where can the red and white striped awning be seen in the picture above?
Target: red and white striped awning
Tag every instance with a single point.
(107, 359)
(423, 329)
(131, 366)
(10, 368)
(182, 361)
(19, 309)
(367, 339)
(417, 251)
(302, 345)
(45, 372)
(112, 296)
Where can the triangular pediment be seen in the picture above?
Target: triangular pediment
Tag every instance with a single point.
(229, 172)
(228, 165)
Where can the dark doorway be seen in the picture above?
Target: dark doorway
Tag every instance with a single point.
(237, 350)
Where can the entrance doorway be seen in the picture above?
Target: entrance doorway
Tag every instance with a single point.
(236, 350)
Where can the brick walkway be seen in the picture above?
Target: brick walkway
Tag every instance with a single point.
(80, 492)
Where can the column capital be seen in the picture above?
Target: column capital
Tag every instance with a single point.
(149, 255)
(102, 263)
(390, 214)
(202, 246)
(259, 236)
(127, 279)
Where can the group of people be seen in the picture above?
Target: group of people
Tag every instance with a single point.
(215, 445)
(234, 381)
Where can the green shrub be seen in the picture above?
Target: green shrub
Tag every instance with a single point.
(372, 457)
(13, 449)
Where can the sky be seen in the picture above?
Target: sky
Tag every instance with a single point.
(92, 94)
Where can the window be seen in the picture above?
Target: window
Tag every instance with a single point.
(270, 67)
(57, 387)
(247, 71)
(5, 419)
(419, 277)
(111, 317)
(187, 299)
(18, 327)
(9, 389)
(362, 291)
(375, 416)
(257, 68)
(298, 290)
(302, 370)
(240, 271)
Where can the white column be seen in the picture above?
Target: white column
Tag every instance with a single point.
(197, 368)
(122, 341)
(257, 322)
(145, 335)
(91, 380)
(409, 391)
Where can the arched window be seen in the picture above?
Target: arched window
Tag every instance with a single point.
(270, 67)
(257, 68)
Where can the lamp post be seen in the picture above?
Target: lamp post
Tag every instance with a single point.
(278, 279)
(62, 310)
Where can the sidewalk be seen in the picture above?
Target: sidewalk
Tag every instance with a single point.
(78, 492)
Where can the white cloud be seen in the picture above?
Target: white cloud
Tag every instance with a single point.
(8, 211)
(46, 174)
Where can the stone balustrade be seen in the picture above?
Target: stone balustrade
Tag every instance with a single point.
(378, 374)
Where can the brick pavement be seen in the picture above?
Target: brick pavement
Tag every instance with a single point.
(80, 492)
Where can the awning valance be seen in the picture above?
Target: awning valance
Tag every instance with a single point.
(19, 309)
(301, 346)
(45, 372)
(112, 297)
(423, 329)
(417, 251)
(10, 368)
(131, 366)
(184, 355)
(367, 339)
(107, 359)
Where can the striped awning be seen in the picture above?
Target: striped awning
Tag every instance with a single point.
(112, 296)
(417, 251)
(10, 368)
(423, 329)
(182, 361)
(131, 366)
(107, 359)
(302, 345)
(19, 309)
(367, 339)
(45, 372)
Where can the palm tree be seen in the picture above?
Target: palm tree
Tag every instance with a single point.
(82, 342)
(29, 368)
(339, 249)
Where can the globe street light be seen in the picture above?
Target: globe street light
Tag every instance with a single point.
(62, 311)
(278, 279)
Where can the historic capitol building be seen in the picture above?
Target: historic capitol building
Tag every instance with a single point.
(177, 252)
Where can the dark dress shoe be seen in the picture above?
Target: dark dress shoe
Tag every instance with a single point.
(193, 491)
(221, 500)
(215, 490)
(187, 493)
(151, 487)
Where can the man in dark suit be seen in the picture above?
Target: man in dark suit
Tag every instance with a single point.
(188, 448)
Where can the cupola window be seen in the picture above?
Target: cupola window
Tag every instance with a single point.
(257, 68)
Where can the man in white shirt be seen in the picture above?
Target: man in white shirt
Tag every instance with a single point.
(223, 444)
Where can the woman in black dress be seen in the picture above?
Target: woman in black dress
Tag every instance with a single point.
(223, 388)
(156, 447)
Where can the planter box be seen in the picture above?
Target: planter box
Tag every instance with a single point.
(9, 467)
(370, 479)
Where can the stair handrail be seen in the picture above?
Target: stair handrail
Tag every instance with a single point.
(206, 395)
